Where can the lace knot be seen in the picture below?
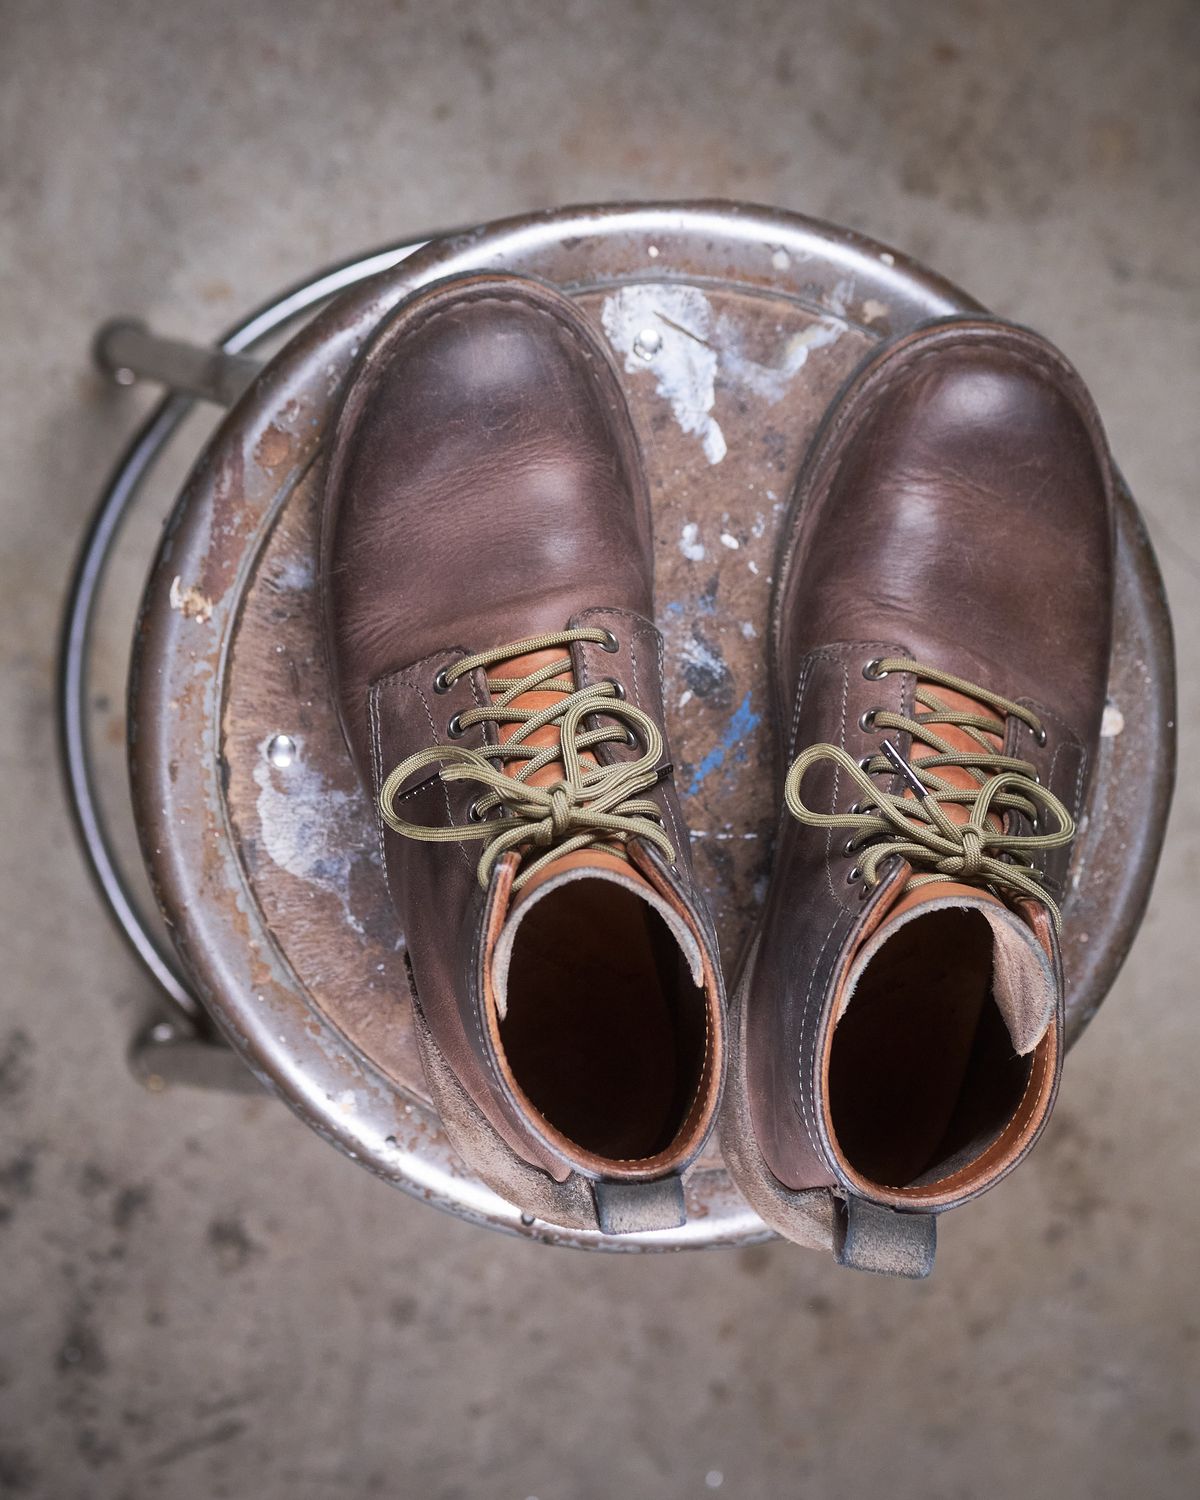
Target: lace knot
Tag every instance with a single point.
(592, 804)
(989, 847)
(562, 809)
(971, 862)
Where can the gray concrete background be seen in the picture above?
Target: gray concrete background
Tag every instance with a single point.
(197, 1297)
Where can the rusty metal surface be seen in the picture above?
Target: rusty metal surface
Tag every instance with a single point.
(735, 327)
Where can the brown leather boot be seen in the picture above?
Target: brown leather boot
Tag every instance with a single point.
(941, 637)
(487, 572)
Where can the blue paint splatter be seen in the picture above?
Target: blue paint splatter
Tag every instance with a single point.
(674, 608)
(743, 723)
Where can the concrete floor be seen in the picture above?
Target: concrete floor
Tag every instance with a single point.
(198, 1297)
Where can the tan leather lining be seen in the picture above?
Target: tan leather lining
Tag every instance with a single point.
(1013, 1139)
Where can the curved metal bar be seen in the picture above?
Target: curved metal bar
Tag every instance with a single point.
(127, 351)
(72, 701)
(71, 691)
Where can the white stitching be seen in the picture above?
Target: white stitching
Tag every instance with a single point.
(837, 896)
(377, 776)
(819, 1154)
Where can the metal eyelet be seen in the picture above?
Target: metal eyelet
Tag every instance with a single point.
(849, 847)
(865, 762)
(631, 739)
(610, 642)
(473, 813)
(866, 721)
(455, 728)
(440, 685)
(871, 671)
(865, 892)
(1040, 736)
(854, 876)
(613, 683)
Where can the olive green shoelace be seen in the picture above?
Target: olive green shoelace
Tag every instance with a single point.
(590, 805)
(914, 827)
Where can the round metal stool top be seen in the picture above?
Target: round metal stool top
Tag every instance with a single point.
(734, 327)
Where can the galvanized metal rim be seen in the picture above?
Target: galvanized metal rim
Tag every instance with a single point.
(116, 499)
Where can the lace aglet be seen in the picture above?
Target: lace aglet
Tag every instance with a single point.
(902, 766)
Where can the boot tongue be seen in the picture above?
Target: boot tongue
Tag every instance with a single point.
(540, 698)
(1023, 983)
(594, 859)
(581, 864)
(587, 864)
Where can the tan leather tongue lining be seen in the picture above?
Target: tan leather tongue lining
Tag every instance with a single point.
(585, 864)
(595, 859)
(959, 739)
(535, 702)
(1023, 982)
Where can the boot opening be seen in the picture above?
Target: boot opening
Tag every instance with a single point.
(605, 1028)
(923, 1075)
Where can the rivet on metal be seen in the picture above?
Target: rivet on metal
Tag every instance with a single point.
(647, 343)
(281, 751)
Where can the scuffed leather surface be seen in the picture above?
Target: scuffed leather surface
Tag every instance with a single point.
(485, 485)
(961, 502)
(957, 507)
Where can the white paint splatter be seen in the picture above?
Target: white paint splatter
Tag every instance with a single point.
(309, 828)
(841, 296)
(771, 381)
(690, 544)
(685, 698)
(781, 260)
(190, 602)
(748, 629)
(295, 574)
(699, 655)
(873, 310)
(730, 541)
(753, 566)
(697, 345)
(685, 367)
(1112, 722)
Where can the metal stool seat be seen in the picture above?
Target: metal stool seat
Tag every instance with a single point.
(735, 327)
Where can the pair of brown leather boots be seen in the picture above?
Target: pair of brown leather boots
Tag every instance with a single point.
(940, 640)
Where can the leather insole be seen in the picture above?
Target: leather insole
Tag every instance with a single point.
(604, 1030)
(922, 1068)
